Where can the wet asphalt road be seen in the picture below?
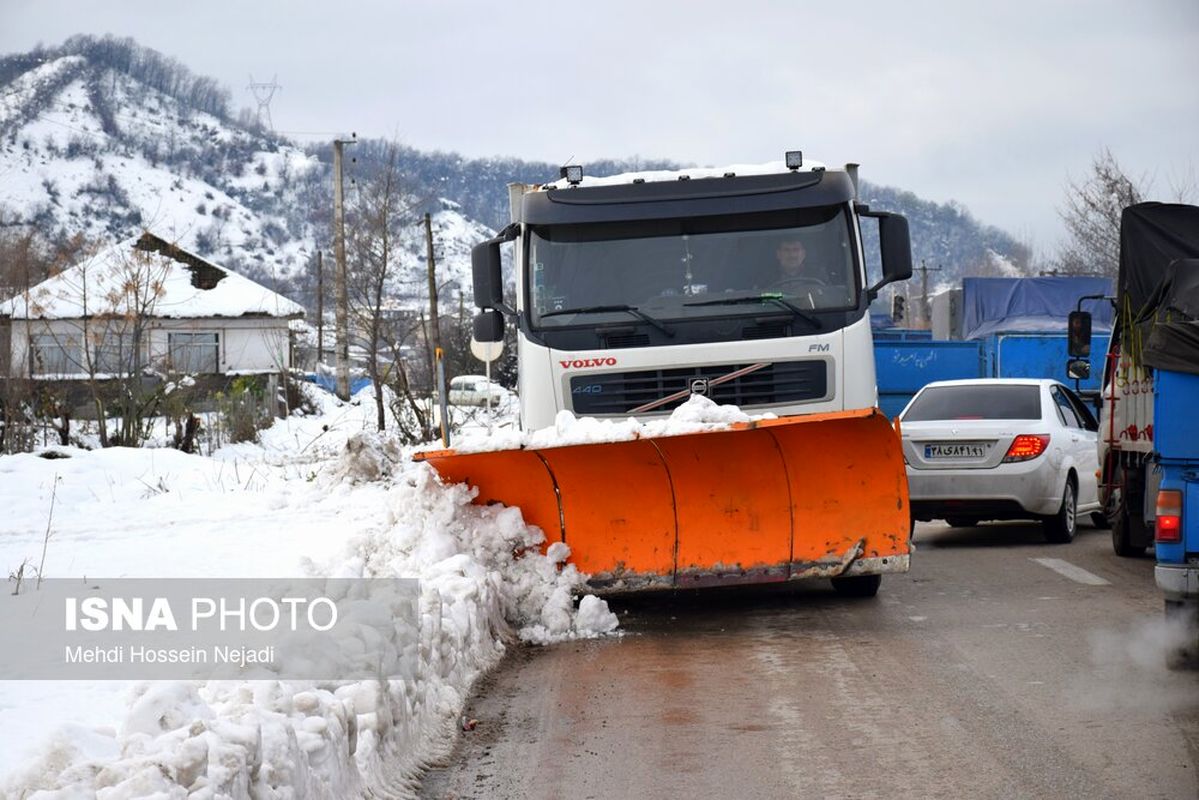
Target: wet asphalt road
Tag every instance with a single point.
(982, 673)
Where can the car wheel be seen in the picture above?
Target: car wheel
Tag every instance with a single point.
(857, 585)
(961, 522)
(1059, 529)
(1124, 528)
(1130, 535)
(1099, 520)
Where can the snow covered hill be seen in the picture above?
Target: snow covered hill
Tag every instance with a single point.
(106, 139)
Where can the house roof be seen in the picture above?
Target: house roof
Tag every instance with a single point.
(152, 276)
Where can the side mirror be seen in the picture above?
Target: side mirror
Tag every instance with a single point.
(895, 245)
(488, 280)
(487, 339)
(486, 274)
(1078, 369)
(1079, 336)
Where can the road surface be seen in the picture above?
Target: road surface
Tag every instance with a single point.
(999, 667)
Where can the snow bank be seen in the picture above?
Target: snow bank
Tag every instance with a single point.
(484, 583)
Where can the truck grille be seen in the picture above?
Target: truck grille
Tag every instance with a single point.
(620, 392)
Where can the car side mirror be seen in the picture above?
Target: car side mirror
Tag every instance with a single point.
(1079, 336)
(1078, 368)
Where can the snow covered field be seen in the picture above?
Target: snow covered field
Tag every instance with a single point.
(300, 503)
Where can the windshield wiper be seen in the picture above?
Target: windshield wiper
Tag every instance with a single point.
(636, 312)
(768, 297)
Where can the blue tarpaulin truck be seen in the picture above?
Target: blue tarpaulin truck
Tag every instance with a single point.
(1149, 425)
(1011, 328)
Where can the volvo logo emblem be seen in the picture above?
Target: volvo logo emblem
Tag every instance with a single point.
(699, 386)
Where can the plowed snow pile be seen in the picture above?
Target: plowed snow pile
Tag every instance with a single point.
(317, 497)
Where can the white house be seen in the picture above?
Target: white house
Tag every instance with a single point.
(147, 304)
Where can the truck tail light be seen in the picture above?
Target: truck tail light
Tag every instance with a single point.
(1169, 516)
(1026, 446)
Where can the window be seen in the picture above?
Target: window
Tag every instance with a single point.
(1065, 411)
(194, 352)
(1080, 408)
(976, 401)
(52, 354)
(114, 353)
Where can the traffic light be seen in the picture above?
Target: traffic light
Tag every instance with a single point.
(899, 311)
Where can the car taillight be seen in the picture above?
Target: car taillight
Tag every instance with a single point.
(1026, 446)
(1169, 516)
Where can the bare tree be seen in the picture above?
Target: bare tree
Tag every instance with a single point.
(1093, 208)
(28, 257)
(95, 318)
(378, 213)
(411, 408)
(118, 343)
(372, 251)
(1091, 215)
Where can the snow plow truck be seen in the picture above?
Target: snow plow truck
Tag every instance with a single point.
(747, 285)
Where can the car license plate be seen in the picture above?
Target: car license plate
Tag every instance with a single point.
(955, 450)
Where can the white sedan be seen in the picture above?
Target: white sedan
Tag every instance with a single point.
(1001, 448)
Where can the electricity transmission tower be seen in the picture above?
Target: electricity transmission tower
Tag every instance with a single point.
(263, 92)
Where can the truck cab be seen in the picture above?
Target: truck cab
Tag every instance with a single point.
(744, 284)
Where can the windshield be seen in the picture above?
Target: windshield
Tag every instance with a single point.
(688, 268)
(976, 401)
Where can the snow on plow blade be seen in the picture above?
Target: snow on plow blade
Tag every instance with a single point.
(819, 495)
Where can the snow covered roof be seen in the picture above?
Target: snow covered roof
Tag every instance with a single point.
(152, 276)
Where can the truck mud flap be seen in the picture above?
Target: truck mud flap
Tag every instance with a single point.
(818, 495)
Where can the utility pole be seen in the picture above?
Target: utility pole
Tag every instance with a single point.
(320, 306)
(435, 334)
(926, 314)
(339, 253)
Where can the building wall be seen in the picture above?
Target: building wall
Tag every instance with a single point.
(246, 344)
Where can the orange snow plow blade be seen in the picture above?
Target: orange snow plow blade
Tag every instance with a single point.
(820, 495)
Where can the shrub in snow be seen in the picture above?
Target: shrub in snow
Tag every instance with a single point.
(244, 410)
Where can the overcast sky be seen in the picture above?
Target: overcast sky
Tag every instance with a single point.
(993, 108)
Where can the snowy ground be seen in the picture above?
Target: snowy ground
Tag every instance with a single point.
(299, 503)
